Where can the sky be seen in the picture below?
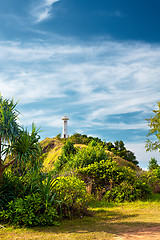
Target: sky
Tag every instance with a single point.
(98, 62)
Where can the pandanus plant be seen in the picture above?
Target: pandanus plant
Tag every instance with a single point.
(9, 130)
(17, 145)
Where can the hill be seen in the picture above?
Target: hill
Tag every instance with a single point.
(52, 147)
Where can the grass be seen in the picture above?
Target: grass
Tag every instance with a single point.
(107, 221)
(52, 147)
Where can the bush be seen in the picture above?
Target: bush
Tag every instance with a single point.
(153, 179)
(14, 187)
(116, 183)
(10, 188)
(153, 164)
(17, 199)
(68, 151)
(128, 192)
(30, 211)
(71, 192)
(99, 174)
(94, 152)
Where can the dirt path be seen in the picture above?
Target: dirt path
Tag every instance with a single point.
(152, 233)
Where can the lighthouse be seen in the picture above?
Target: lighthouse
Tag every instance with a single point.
(65, 130)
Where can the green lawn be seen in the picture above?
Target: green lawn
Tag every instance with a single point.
(106, 221)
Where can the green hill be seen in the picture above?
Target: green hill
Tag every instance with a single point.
(51, 148)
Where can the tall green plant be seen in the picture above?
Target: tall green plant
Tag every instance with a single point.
(46, 190)
(26, 150)
(17, 145)
(9, 129)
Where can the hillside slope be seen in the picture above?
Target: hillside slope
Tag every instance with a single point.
(52, 147)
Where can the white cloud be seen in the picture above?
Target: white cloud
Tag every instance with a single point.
(41, 117)
(89, 82)
(42, 10)
(104, 78)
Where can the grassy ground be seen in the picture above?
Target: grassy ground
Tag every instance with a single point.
(106, 222)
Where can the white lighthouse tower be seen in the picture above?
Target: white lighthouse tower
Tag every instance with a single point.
(65, 130)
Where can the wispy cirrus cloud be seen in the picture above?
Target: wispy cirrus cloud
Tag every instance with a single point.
(41, 10)
(95, 81)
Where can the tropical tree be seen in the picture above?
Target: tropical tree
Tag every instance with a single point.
(26, 150)
(9, 130)
(120, 150)
(154, 124)
(153, 164)
(17, 145)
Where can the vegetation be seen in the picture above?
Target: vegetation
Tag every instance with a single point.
(51, 150)
(109, 220)
(17, 146)
(71, 193)
(8, 131)
(29, 211)
(46, 182)
(113, 182)
(154, 125)
(153, 164)
(118, 148)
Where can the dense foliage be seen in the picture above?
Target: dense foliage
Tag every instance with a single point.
(152, 176)
(72, 195)
(116, 183)
(154, 125)
(118, 148)
(17, 145)
(38, 199)
(74, 158)
(30, 211)
(153, 164)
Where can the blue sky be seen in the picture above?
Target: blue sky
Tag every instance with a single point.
(97, 61)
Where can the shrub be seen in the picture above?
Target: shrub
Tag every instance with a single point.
(153, 179)
(10, 188)
(18, 199)
(68, 151)
(153, 164)
(100, 174)
(105, 174)
(68, 148)
(119, 183)
(14, 186)
(94, 152)
(71, 192)
(30, 211)
(128, 192)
